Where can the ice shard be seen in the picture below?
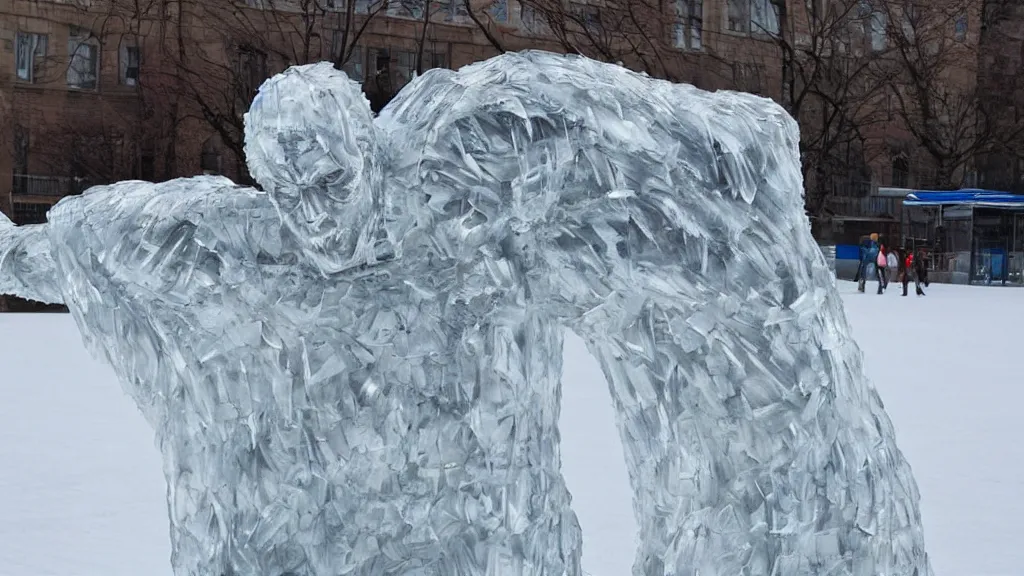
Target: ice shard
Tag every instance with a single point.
(355, 369)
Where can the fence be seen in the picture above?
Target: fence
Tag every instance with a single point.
(867, 206)
(46, 186)
(990, 267)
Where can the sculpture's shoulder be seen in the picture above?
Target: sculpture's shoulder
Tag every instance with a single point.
(191, 234)
(521, 85)
(565, 89)
(137, 204)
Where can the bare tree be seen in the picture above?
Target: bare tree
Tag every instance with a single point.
(481, 13)
(112, 138)
(934, 80)
(1001, 93)
(629, 32)
(830, 56)
(219, 53)
(817, 60)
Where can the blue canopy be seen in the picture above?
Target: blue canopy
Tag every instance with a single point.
(965, 197)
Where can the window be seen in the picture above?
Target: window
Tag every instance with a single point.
(591, 18)
(971, 178)
(355, 65)
(20, 149)
(30, 213)
(438, 60)
(816, 10)
(405, 65)
(900, 171)
(757, 16)
(147, 165)
(455, 11)
(251, 72)
(738, 16)
(412, 9)
(209, 159)
(31, 55)
(499, 10)
(362, 6)
(531, 20)
(84, 66)
(764, 17)
(379, 68)
(960, 28)
(689, 24)
(879, 22)
(909, 20)
(130, 59)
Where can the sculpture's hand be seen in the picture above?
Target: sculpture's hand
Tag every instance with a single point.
(27, 268)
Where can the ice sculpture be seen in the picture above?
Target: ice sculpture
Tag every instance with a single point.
(356, 370)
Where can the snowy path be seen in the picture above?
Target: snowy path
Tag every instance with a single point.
(81, 493)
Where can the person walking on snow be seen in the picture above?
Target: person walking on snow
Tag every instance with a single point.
(881, 266)
(914, 266)
(921, 269)
(892, 262)
(861, 257)
(868, 254)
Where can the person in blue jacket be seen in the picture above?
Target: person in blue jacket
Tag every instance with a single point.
(868, 255)
(860, 262)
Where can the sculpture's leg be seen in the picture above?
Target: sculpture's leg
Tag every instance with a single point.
(515, 509)
(756, 447)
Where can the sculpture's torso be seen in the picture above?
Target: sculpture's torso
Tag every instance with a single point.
(379, 420)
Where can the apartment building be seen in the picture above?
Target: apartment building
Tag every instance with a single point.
(94, 91)
(1002, 92)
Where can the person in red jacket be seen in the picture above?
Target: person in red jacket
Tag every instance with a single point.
(914, 265)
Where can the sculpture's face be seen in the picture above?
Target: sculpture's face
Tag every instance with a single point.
(311, 144)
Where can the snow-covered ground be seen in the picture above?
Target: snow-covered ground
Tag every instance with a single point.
(81, 492)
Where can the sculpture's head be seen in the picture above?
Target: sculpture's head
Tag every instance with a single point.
(311, 144)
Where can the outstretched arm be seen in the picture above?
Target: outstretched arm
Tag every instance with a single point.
(27, 269)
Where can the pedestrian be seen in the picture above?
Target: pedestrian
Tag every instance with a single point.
(921, 269)
(906, 265)
(862, 256)
(914, 268)
(892, 262)
(882, 265)
(868, 254)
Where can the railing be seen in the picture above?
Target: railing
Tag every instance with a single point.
(850, 189)
(46, 186)
(868, 206)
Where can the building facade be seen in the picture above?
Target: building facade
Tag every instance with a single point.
(95, 91)
(1002, 93)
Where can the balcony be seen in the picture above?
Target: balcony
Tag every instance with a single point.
(52, 187)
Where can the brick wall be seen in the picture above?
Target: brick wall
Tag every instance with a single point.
(168, 133)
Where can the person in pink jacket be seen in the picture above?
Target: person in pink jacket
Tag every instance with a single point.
(882, 268)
